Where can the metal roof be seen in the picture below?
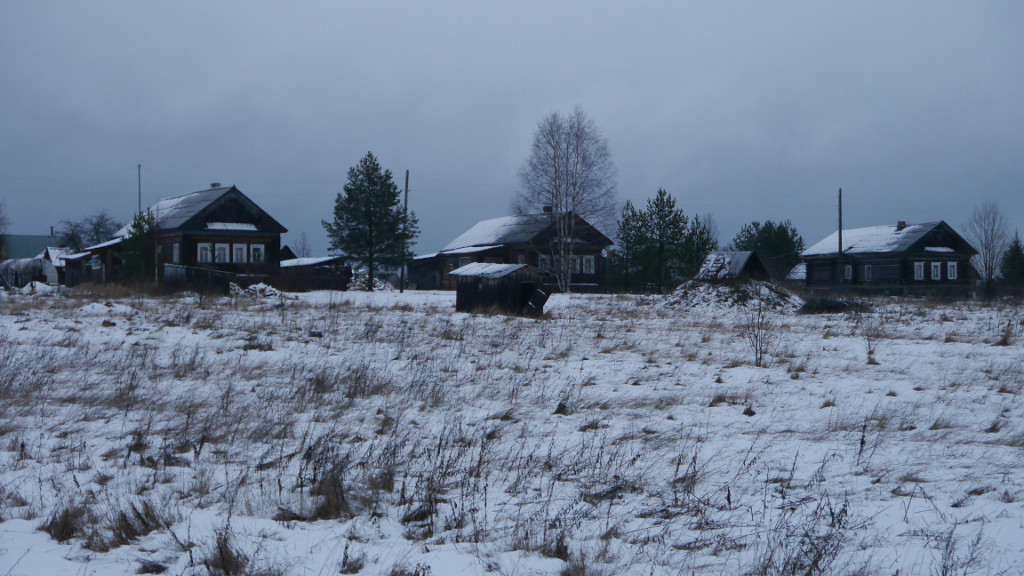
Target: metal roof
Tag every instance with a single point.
(487, 270)
(497, 231)
(873, 240)
(723, 265)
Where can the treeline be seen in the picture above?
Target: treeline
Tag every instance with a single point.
(660, 246)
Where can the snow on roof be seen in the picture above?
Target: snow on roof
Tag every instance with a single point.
(106, 244)
(230, 226)
(487, 270)
(497, 231)
(469, 250)
(174, 212)
(875, 239)
(55, 255)
(938, 249)
(799, 272)
(311, 261)
(723, 265)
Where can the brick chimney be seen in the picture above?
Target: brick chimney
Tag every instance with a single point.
(901, 225)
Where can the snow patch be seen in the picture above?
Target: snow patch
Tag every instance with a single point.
(712, 295)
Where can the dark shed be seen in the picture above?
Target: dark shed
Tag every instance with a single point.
(509, 288)
(727, 266)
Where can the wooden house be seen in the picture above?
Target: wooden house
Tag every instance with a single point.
(529, 239)
(916, 259)
(214, 235)
(508, 288)
(314, 273)
(731, 266)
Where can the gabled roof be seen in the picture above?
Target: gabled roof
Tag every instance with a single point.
(724, 265)
(875, 239)
(497, 231)
(311, 261)
(17, 246)
(487, 270)
(172, 213)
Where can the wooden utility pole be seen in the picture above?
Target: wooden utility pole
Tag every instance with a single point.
(839, 253)
(140, 188)
(405, 229)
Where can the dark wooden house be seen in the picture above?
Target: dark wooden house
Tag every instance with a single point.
(734, 266)
(914, 259)
(214, 235)
(508, 288)
(529, 239)
(314, 273)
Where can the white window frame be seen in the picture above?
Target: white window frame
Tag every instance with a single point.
(936, 270)
(176, 253)
(544, 262)
(575, 264)
(239, 257)
(868, 273)
(588, 265)
(848, 272)
(257, 249)
(217, 253)
(918, 270)
(952, 271)
(202, 258)
(521, 259)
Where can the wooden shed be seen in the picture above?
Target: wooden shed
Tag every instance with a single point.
(726, 266)
(509, 288)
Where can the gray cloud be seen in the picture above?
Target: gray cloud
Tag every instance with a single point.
(747, 110)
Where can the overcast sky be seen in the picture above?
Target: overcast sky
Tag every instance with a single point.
(747, 110)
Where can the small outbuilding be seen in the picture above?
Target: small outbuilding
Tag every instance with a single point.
(726, 266)
(508, 288)
(314, 273)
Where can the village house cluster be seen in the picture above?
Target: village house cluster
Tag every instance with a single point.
(218, 236)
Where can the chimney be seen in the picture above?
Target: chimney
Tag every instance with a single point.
(548, 209)
(901, 225)
(214, 184)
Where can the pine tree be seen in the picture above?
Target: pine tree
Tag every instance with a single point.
(138, 249)
(777, 245)
(370, 228)
(630, 245)
(666, 228)
(1012, 264)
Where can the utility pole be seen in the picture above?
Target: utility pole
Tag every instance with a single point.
(140, 188)
(405, 229)
(839, 253)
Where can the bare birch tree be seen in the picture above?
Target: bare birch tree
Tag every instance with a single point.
(989, 233)
(570, 170)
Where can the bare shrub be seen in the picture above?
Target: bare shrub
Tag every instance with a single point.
(69, 521)
(804, 545)
(760, 330)
(135, 521)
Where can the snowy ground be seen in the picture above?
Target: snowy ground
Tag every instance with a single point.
(385, 434)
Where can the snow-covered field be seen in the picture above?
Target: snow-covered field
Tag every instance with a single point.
(383, 433)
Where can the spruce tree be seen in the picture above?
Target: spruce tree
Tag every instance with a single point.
(1012, 264)
(666, 228)
(778, 245)
(370, 228)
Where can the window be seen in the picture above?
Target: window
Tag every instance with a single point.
(204, 253)
(221, 253)
(521, 259)
(256, 253)
(544, 263)
(176, 253)
(936, 270)
(238, 253)
(463, 260)
(848, 273)
(951, 270)
(918, 270)
(575, 264)
(588, 264)
(867, 273)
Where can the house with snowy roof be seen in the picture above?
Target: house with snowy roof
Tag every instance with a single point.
(913, 259)
(525, 239)
(217, 230)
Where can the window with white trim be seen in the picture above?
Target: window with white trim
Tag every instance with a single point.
(203, 253)
(256, 253)
(222, 253)
(868, 273)
(521, 259)
(588, 264)
(848, 273)
(951, 270)
(936, 270)
(575, 264)
(544, 263)
(918, 270)
(176, 253)
(238, 253)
